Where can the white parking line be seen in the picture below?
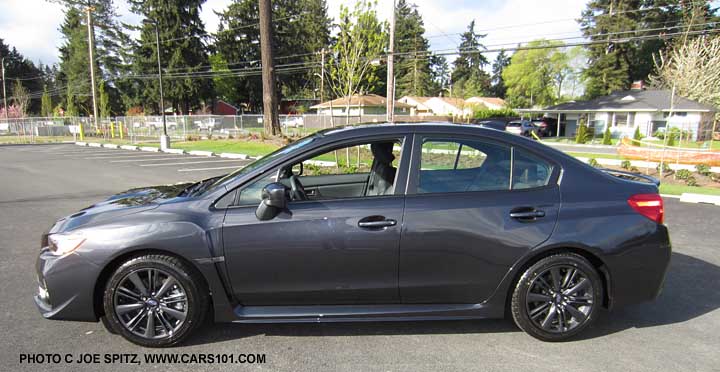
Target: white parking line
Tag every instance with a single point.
(205, 169)
(128, 155)
(133, 159)
(193, 162)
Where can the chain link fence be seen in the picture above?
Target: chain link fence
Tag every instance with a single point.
(135, 129)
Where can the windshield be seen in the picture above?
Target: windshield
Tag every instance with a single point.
(261, 162)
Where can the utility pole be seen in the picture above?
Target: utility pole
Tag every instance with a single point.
(91, 47)
(270, 108)
(164, 138)
(4, 92)
(322, 75)
(390, 107)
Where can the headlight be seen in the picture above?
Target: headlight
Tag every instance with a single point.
(62, 244)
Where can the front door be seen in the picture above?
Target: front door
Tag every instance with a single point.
(468, 218)
(338, 246)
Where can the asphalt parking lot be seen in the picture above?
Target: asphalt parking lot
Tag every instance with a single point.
(678, 332)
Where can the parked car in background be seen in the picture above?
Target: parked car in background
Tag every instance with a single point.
(546, 127)
(521, 127)
(292, 122)
(207, 124)
(436, 221)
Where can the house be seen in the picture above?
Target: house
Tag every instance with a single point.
(360, 105)
(449, 106)
(624, 111)
(417, 105)
(224, 108)
(493, 103)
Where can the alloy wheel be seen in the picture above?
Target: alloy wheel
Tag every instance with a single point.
(150, 303)
(560, 298)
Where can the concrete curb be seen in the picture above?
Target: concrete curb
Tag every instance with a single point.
(81, 143)
(94, 144)
(110, 145)
(150, 149)
(231, 155)
(201, 153)
(174, 151)
(700, 198)
(129, 147)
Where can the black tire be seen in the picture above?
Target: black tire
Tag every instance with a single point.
(549, 314)
(177, 309)
(108, 326)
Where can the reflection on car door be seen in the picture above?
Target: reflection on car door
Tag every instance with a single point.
(461, 234)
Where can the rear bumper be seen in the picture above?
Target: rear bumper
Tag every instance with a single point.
(65, 287)
(638, 273)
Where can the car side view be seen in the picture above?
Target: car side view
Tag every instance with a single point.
(377, 222)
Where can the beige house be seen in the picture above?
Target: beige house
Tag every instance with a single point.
(417, 105)
(360, 105)
(493, 103)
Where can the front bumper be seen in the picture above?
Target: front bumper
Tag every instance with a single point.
(65, 286)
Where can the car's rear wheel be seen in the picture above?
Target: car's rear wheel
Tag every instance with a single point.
(154, 300)
(557, 297)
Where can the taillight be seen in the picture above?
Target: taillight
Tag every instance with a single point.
(649, 205)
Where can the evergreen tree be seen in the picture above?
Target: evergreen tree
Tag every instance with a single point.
(110, 53)
(607, 136)
(19, 67)
(615, 65)
(183, 55)
(301, 31)
(440, 71)
(413, 72)
(468, 77)
(498, 88)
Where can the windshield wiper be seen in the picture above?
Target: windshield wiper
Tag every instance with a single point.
(199, 186)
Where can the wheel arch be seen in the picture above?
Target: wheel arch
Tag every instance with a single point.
(536, 256)
(117, 261)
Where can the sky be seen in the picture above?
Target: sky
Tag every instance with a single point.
(32, 26)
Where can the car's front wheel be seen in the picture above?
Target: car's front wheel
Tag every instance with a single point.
(557, 297)
(155, 300)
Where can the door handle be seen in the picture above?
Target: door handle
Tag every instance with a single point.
(375, 222)
(527, 214)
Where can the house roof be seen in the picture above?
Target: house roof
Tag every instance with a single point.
(633, 100)
(491, 100)
(368, 100)
(417, 99)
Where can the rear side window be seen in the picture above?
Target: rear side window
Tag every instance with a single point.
(529, 170)
(460, 166)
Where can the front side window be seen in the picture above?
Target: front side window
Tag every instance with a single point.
(460, 166)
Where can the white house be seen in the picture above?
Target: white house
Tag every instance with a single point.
(624, 111)
(417, 105)
(448, 106)
(360, 105)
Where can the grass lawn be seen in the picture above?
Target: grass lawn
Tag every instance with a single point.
(679, 189)
(251, 148)
(690, 144)
(12, 139)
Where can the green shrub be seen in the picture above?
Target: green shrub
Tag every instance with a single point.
(715, 177)
(593, 163)
(482, 112)
(663, 168)
(691, 181)
(703, 169)
(625, 164)
(659, 134)
(683, 174)
(637, 137)
(583, 134)
(607, 136)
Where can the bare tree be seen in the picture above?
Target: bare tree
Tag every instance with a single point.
(21, 97)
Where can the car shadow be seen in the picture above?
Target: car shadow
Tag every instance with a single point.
(688, 293)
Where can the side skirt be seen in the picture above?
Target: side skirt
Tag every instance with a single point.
(359, 313)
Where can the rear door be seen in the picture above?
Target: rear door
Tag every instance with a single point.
(468, 217)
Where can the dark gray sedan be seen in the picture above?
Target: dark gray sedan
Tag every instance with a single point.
(378, 222)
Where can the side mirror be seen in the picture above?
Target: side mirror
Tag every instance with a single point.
(274, 200)
(298, 169)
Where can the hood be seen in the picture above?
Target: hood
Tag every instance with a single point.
(122, 204)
